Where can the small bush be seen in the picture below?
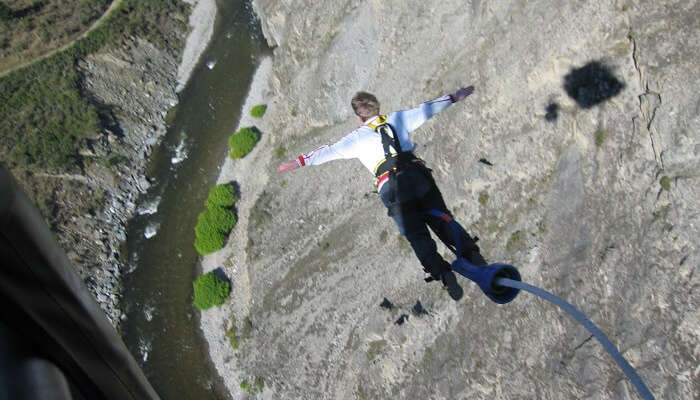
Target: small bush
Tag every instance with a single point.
(258, 111)
(208, 240)
(213, 225)
(242, 142)
(209, 291)
(221, 218)
(221, 196)
(245, 386)
(665, 183)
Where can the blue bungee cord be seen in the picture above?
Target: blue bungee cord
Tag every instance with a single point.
(501, 283)
(619, 359)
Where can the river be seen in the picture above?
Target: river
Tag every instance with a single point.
(162, 327)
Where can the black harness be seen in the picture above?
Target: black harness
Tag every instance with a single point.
(393, 162)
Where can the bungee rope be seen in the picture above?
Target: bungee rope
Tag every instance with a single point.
(501, 283)
(619, 359)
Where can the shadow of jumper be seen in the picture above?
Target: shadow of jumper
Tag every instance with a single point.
(591, 84)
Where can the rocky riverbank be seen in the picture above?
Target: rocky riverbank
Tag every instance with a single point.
(134, 86)
(575, 160)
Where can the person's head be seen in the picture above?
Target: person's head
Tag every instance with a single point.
(365, 105)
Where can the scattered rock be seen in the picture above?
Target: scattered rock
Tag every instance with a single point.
(386, 304)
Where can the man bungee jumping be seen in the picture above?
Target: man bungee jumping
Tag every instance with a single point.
(406, 186)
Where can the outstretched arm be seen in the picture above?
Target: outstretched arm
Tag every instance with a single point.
(417, 116)
(343, 149)
(288, 166)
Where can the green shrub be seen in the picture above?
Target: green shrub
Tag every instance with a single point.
(213, 225)
(280, 152)
(221, 196)
(258, 111)
(242, 142)
(208, 240)
(245, 386)
(599, 137)
(223, 219)
(665, 183)
(209, 291)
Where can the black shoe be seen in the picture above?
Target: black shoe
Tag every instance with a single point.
(449, 282)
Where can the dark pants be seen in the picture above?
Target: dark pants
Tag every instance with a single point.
(415, 192)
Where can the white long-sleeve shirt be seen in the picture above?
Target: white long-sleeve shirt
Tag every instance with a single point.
(365, 144)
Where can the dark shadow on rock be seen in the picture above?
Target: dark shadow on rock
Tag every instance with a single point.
(552, 110)
(219, 273)
(418, 309)
(236, 189)
(386, 304)
(485, 161)
(592, 84)
(258, 131)
(237, 193)
(403, 318)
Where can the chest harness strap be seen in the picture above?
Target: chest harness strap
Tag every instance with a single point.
(392, 162)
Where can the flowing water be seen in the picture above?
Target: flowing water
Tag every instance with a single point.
(162, 327)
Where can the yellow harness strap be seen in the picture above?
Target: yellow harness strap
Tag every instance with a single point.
(379, 121)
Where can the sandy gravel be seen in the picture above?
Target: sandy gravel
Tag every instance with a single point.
(201, 28)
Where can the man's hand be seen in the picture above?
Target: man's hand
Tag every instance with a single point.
(288, 166)
(462, 93)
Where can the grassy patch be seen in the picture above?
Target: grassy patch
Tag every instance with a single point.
(514, 241)
(599, 137)
(258, 111)
(33, 28)
(232, 337)
(210, 291)
(375, 348)
(257, 386)
(280, 152)
(665, 183)
(242, 142)
(483, 198)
